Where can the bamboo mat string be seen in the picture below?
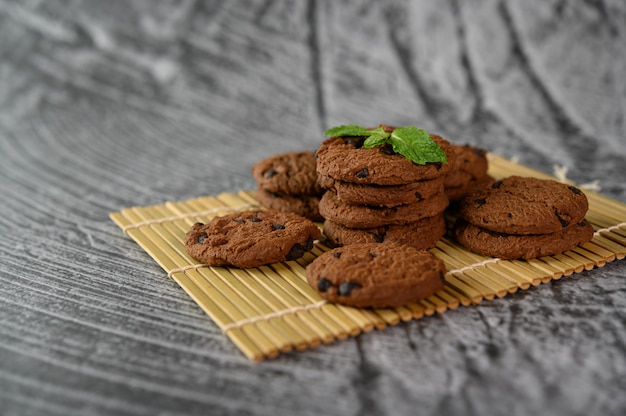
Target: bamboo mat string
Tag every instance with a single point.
(276, 314)
(474, 266)
(609, 229)
(185, 268)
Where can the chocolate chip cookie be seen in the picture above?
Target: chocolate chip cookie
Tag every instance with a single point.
(511, 246)
(383, 195)
(376, 275)
(251, 238)
(422, 234)
(520, 205)
(369, 216)
(345, 159)
(292, 173)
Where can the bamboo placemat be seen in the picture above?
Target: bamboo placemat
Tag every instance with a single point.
(271, 309)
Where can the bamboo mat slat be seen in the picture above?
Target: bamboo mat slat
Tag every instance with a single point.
(270, 310)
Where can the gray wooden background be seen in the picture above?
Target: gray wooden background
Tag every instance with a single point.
(111, 104)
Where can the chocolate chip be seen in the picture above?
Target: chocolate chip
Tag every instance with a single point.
(324, 284)
(442, 277)
(583, 223)
(497, 184)
(270, 173)
(202, 237)
(479, 152)
(356, 142)
(387, 149)
(575, 190)
(380, 234)
(255, 219)
(480, 201)
(564, 222)
(198, 224)
(241, 220)
(298, 250)
(337, 254)
(418, 196)
(346, 288)
(363, 173)
(278, 227)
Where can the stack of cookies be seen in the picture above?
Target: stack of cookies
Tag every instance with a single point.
(469, 172)
(288, 183)
(520, 217)
(376, 195)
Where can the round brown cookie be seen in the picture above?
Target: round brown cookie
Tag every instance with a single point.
(303, 205)
(519, 205)
(383, 195)
(529, 246)
(292, 173)
(456, 193)
(422, 234)
(470, 164)
(345, 159)
(376, 275)
(251, 238)
(369, 216)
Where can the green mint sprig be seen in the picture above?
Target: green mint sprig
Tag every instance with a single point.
(413, 143)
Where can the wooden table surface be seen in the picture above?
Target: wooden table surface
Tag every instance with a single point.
(106, 105)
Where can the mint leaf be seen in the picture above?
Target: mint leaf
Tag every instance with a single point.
(416, 145)
(375, 140)
(413, 143)
(378, 130)
(350, 130)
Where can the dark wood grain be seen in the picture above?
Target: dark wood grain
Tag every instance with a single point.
(106, 105)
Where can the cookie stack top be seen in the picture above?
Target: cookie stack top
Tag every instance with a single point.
(345, 159)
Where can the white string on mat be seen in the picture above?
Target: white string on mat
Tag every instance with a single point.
(560, 172)
(188, 215)
(267, 316)
(188, 267)
(611, 228)
(473, 266)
